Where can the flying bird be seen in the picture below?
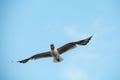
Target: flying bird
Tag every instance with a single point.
(56, 52)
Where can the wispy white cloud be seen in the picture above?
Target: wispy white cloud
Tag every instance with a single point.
(75, 33)
(99, 27)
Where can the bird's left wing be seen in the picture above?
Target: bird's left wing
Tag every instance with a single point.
(66, 47)
(37, 56)
(72, 45)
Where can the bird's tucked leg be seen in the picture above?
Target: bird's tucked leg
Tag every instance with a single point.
(59, 59)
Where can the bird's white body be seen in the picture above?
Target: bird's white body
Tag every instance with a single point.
(56, 55)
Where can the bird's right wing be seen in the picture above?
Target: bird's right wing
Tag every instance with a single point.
(37, 56)
(41, 55)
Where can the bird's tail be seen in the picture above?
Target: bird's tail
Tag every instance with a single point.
(58, 59)
(24, 61)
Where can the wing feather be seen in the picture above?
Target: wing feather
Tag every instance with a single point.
(66, 47)
(84, 41)
(41, 55)
(37, 56)
(72, 45)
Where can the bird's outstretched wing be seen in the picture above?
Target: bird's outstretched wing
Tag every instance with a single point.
(37, 56)
(72, 45)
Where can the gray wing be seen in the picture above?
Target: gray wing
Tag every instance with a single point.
(72, 45)
(37, 56)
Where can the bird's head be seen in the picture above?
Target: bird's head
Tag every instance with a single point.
(52, 46)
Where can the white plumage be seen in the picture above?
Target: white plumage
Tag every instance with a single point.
(56, 55)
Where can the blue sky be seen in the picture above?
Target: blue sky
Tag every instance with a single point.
(28, 27)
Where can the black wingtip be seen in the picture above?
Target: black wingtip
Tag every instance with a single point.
(90, 37)
(23, 61)
(87, 40)
(84, 41)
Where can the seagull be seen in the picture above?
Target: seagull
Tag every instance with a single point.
(56, 52)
